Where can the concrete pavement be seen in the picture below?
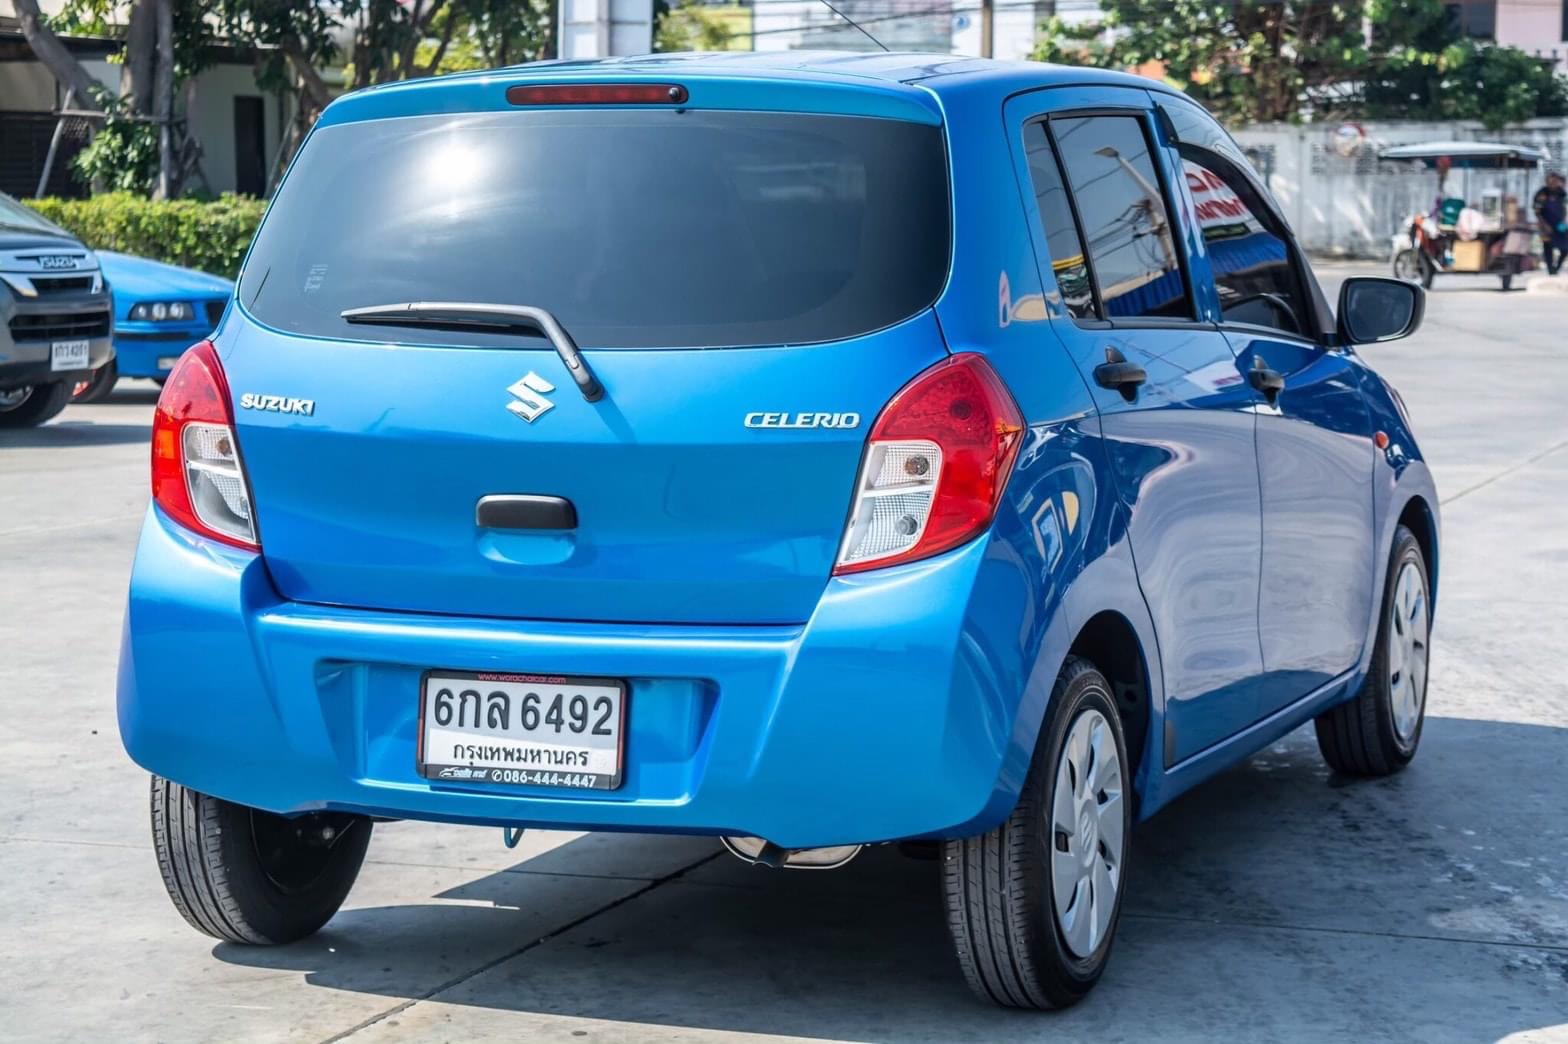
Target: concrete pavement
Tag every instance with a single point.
(1274, 903)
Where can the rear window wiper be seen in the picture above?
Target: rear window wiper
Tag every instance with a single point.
(466, 315)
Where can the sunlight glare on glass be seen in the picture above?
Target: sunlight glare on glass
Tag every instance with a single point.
(453, 163)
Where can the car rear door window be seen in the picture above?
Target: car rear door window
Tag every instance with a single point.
(636, 229)
(1126, 223)
(1063, 241)
(1254, 273)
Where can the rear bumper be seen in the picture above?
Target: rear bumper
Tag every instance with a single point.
(886, 716)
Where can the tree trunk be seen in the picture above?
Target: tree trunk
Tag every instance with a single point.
(137, 75)
(445, 42)
(311, 85)
(67, 71)
(163, 101)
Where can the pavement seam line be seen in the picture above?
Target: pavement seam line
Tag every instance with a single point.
(398, 1009)
(1504, 473)
(84, 524)
(515, 868)
(1330, 930)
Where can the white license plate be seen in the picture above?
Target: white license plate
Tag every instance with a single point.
(529, 729)
(68, 355)
(166, 362)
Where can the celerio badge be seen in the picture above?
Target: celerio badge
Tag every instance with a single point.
(802, 420)
(531, 403)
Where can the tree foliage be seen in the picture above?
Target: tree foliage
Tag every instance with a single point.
(1248, 60)
(1287, 60)
(1426, 69)
(690, 26)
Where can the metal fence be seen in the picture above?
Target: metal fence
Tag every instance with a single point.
(1343, 200)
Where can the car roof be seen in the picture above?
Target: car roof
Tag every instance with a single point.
(891, 67)
(938, 73)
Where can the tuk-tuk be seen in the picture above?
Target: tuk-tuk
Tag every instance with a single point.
(1492, 233)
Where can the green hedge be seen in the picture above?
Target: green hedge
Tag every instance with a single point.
(209, 236)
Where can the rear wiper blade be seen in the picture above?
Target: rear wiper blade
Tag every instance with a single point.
(461, 314)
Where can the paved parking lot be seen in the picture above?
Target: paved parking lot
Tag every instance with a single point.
(1276, 902)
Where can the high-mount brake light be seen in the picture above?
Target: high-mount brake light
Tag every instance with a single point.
(596, 94)
(935, 467)
(197, 477)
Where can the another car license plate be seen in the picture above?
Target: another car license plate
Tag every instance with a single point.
(529, 729)
(68, 355)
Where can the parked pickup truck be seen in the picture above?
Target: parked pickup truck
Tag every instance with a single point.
(54, 316)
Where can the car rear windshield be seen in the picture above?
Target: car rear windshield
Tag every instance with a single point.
(635, 228)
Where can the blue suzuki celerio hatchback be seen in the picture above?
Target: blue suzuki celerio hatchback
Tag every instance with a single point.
(810, 451)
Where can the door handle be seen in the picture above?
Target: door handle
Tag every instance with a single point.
(1117, 374)
(524, 511)
(1269, 382)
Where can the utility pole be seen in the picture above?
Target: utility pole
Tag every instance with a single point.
(987, 27)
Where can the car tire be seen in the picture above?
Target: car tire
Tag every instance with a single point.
(42, 403)
(1376, 734)
(247, 876)
(1001, 889)
(99, 386)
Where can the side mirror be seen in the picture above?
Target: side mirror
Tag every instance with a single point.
(1373, 309)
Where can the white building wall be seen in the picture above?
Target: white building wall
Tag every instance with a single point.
(600, 28)
(1533, 25)
(1352, 205)
(29, 87)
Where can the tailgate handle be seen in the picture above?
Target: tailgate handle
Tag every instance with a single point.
(524, 511)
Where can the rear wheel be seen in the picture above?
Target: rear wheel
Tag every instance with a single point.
(99, 386)
(1033, 905)
(1376, 733)
(248, 876)
(30, 406)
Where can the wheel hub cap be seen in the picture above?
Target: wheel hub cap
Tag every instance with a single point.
(1087, 833)
(1408, 625)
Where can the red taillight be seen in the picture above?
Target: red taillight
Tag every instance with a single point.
(597, 94)
(935, 466)
(197, 478)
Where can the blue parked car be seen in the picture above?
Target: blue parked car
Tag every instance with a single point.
(159, 311)
(811, 451)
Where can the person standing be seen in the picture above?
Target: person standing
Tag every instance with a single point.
(1551, 214)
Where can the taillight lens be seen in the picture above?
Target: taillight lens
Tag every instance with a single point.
(935, 466)
(197, 477)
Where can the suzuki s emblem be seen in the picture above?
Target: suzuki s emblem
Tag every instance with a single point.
(54, 261)
(531, 403)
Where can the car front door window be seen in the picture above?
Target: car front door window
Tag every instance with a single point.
(1254, 274)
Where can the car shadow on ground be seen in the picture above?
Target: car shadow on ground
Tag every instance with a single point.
(90, 424)
(1277, 897)
(68, 432)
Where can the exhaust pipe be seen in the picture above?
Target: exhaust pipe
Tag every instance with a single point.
(756, 851)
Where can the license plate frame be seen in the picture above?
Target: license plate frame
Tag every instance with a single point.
(75, 354)
(554, 771)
